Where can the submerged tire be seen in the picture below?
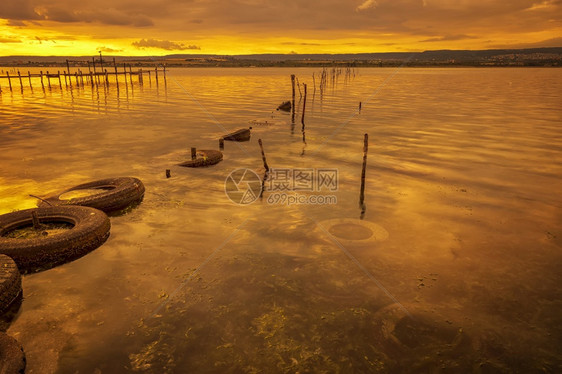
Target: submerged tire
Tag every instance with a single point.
(241, 135)
(10, 282)
(208, 157)
(12, 357)
(90, 230)
(119, 193)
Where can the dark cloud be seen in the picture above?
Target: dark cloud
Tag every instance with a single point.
(162, 44)
(554, 42)
(16, 23)
(449, 37)
(109, 50)
(9, 40)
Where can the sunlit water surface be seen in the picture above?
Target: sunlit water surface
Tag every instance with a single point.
(462, 227)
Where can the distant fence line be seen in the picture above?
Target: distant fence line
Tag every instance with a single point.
(95, 76)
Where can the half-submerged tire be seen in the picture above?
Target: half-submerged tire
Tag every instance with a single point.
(118, 194)
(208, 157)
(241, 135)
(10, 282)
(90, 229)
(285, 106)
(12, 357)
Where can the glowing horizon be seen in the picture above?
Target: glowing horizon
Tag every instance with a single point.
(140, 28)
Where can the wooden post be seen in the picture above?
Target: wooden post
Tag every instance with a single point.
(156, 72)
(35, 220)
(94, 65)
(67, 67)
(140, 77)
(76, 77)
(131, 75)
(41, 75)
(149, 78)
(168, 175)
(9, 80)
(116, 75)
(221, 144)
(91, 79)
(21, 83)
(293, 86)
(101, 62)
(263, 156)
(60, 82)
(29, 77)
(49, 79)
(106, 78)
(82, 78)
(360, 106)
(193, 153)
(303, 104)
(363, 170)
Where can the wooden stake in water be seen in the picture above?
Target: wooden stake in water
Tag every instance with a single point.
(263, 156)
(60, 82)
(35, 220)
(221, 144)
(21, 83)
(49, 79)
(168, 175)
(9, 80)
(363, 170)
(29, 77)
(41, 76)
(193, 153)
(303, 104)
(293, 85)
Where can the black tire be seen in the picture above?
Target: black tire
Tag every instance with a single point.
(121, 192)
(12, 357)
(10, 282)
(208, 157)
(241, 135)
(285, 106)
(90, 230)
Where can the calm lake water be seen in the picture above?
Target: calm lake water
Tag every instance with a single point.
(454, 266)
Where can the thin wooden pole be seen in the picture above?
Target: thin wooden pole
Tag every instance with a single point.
(21, 82)
(49, 79)
(131, 75)
(67, 67)
(149, 78)
(91, 80)
(60, 82)
(9, 80)
(363, 170)
(76, 77)
(116, 76)
(82, 78)
(156, 72)
(140, 77)
(41, 76)
(106, 78)
(303, 104)
(263, 156)
(29, 77)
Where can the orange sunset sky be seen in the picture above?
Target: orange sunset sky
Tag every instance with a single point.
(159, 27)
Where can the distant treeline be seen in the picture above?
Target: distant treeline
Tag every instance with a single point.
(496, 57)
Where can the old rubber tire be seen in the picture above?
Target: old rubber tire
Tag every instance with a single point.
(208, 157)
(241, 135)
(120, 193)
(12, 357)
(10, 282)
(90, 230)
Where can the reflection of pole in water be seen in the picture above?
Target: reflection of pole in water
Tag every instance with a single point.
(362, 194)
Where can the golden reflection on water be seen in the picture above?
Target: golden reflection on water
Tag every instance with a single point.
(462, 185)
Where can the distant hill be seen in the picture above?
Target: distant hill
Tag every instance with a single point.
(491, 57)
